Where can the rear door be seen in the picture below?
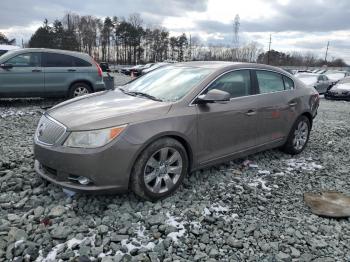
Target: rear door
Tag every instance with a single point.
(60, 72)
(25, 78)
(277, 106)
(228, 127)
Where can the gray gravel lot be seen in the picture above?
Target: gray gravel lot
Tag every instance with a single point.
(238, 211)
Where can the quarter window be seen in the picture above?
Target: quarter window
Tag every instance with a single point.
(288, 83)
(269, 82)
(25, 60)
(236, 83)
(61, 60)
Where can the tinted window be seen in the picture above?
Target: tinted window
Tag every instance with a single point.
(77, 62)
(58, 60)
(288, 83)
(236, 83)
(2, 52)
(269, 82)
(25, 60)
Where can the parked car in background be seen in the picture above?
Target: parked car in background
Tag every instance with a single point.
(149, 134)
(340, 91)
(105, 67)
(335, 76)
(127, 70)
(48, 73)
(138, 71)
(5, 48)
(320, 82)
(155, 66)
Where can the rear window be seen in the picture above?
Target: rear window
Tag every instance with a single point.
(61, 60)
(269, 82)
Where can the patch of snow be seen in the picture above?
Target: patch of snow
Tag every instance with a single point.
(264, 172)
(15, 112)
(17, 243)
(206, 212)
(172, 221)
(259, 181)
(302, 164)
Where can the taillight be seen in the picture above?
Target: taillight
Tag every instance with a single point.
(99, 70)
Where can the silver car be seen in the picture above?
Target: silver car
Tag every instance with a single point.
(320, 82)
(149, 134)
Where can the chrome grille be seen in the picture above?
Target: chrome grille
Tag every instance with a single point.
(49, 131)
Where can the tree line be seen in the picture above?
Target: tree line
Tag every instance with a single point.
(129, 41)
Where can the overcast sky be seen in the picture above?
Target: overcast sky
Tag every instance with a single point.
(295, 25)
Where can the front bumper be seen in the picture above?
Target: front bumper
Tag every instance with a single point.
(337, 96)
(108, 168)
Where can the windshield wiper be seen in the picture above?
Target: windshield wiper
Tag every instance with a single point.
(135, 93)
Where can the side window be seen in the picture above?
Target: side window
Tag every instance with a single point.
(25, 60)
(80, 62)
(325, 78)
(236, 83)
(269, 82)
(58, 60)
(288, 83)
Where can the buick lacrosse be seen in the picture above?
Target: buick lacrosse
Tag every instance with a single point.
(149, 134)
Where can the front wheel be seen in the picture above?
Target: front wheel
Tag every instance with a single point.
(159, 170)
(298, 136)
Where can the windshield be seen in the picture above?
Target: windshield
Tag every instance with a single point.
(169, 83)
(308, 79)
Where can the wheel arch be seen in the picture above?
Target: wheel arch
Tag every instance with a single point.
(309, 116)
(80, 81)
(176, 136)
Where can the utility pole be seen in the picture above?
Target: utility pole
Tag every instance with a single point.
(190, 47)
(268, 53)
(325, 58)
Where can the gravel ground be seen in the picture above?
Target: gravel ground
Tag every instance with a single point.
(249, 209)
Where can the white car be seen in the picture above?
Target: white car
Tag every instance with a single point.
(5, 48)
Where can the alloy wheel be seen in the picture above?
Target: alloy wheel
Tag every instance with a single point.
(80, 91)
(300, 135)
(163, 170)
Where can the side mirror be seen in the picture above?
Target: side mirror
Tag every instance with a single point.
(214, 95)
(6, 66)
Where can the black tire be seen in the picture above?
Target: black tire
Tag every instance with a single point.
(75, 87)
(138, 184)
(290, 147)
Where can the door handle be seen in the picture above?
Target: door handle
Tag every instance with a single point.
(71, 70)
(36, 70)
(251, 112)
(292, 103)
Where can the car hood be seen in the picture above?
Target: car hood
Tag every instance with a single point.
(106, 109)
(341, 87)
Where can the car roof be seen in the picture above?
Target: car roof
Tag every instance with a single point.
(48, 50)
(228, 65)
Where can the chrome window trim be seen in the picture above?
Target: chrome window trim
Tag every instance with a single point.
(58, 123)
(238, 69)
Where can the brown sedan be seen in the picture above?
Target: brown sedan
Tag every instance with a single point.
(150, 133)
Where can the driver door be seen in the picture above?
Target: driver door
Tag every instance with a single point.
(228, 127)
(25, 78)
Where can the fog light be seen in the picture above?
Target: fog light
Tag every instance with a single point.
(83, 180)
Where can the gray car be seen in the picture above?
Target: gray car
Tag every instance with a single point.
(320, 82)
(148, 134)
(48, 73)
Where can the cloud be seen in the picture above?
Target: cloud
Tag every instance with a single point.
(22, 12)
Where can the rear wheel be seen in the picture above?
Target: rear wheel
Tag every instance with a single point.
(159, 170)
(79, 89)
(298, 136)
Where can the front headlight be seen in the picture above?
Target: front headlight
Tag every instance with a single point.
(93, 138)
